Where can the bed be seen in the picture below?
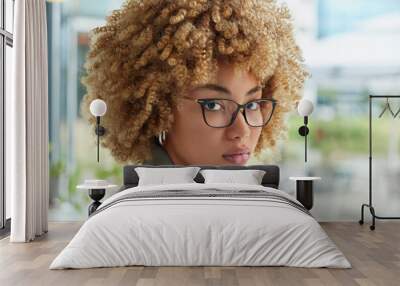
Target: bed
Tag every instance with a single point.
(201, 224)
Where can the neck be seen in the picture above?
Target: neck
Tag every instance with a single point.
(173, 155)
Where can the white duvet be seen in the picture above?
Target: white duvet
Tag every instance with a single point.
(200, 231)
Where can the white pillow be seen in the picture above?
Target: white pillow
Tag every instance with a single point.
(249, 177)
(162, 176)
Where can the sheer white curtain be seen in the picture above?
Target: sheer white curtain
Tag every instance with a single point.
(27, 124)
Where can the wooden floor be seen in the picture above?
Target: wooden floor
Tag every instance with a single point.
(374, 255)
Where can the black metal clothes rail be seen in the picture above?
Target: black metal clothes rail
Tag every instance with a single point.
(370, 205)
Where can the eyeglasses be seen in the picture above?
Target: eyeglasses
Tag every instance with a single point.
(220, 113)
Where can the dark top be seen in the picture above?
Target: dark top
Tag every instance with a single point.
(159, 155)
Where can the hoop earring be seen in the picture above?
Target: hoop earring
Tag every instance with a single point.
(161, 137)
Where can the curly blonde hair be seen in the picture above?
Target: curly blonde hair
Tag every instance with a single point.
(150, 52)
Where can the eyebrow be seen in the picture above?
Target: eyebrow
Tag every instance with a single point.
(223, 89)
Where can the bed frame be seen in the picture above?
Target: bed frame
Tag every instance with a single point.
(270, 179)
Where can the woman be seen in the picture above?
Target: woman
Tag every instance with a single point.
(194, 81)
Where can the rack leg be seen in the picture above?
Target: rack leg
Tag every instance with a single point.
(374, 216)
(361, 221)
(372, 210)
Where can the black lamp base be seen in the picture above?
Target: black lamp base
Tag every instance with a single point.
(100, 130)
(303, 130)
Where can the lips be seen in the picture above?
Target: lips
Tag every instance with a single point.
(239, 157)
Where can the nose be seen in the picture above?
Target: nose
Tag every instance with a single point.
(239, 128)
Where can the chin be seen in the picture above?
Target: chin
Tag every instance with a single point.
(227, 163)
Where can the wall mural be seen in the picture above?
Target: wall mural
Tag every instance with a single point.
(193, 82)
(216, 84)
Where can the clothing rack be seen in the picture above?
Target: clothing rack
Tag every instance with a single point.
(370, 206)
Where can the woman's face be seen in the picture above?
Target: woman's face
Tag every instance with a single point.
(191, 141)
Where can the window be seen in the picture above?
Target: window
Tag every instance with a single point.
(6, 44)
(72, 148)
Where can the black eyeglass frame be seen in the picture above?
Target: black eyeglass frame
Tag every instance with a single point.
(203, 101)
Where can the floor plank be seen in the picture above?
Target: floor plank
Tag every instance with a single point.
(374, 255)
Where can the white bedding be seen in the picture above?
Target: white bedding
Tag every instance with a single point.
(181, 231)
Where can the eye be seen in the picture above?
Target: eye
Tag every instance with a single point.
(252, 105)
(212, 106)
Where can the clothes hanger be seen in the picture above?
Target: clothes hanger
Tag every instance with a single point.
(398, 111)
(387, 106)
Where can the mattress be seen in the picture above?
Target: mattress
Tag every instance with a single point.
(201, 225)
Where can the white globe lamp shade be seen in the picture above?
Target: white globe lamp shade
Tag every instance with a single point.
(98, 107)
(305, 107)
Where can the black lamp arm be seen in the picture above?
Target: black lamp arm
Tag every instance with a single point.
(303, 131)
(100, 131)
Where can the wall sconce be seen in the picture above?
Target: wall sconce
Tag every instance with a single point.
(98, 108)
(305, 108)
